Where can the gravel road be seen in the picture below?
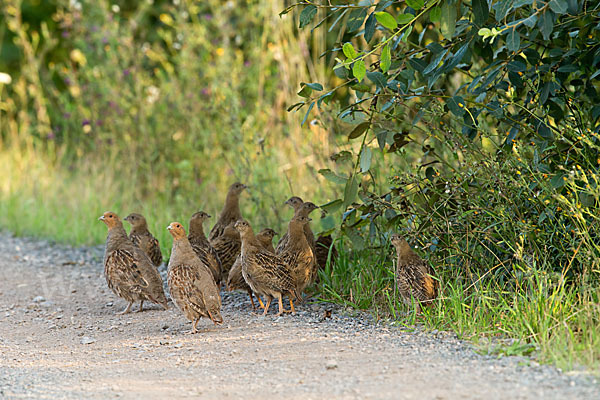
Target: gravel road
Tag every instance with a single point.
(60, 339)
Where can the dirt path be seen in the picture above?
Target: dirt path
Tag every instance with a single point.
(60, 338)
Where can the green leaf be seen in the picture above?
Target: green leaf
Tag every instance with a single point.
(415, 4)
(349, 51)
(307, 15)
(359, 70)
(481, 11)
(448, 19)
(310, 106)
(332, 206)
(314, 86)
(332, 176)
(557, 181)
(377, 78)
(365, 159)
(404, 19)
(559, 6)
(456, 104)
(502, 8)
(546, 24)
(370, 27)
(359, 130)
(386, 20)
(305, 92)
(407, 33)
(386, 58)
(435, 14)
(513, 40)
(350, 191)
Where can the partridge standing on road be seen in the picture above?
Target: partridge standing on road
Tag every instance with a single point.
(236, 280)
(142, 238)
(303, 210)
(231, 211)
(228, 247)
(190, 280)
(414, 277)
(202, 247)
(128, 271)
(323, 247)
(298, 254)
(265, 273)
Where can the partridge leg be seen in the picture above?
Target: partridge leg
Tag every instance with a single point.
(141, 306)
(127, 309)
(269, 298)
(292, 309)
(280, 300)
(252, 300)
(260, 302)
(194, 330)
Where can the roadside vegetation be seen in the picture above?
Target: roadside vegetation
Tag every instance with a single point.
(470, 130)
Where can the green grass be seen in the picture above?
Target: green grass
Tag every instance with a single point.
(554, 323)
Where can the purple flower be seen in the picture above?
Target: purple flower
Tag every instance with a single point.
(126, 72)
(104, 40)
(65, 34)
(205, 91)
(247, 63)
(50, 136)
(208, 17)
(67, 81)
(85, 122)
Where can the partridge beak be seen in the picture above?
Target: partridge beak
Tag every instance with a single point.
(101, 218)
(169, 227)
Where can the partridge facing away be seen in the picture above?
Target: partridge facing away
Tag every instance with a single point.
(190, 280)
(265, 273)
(322, 249)
(414, 277)
(231, 211)
(228, 247)
(202, 246)
(142, 238)
(303, 210)
(236, 280)
(128, 271)
(298, 254)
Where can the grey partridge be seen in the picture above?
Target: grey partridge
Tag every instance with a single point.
(303, 210)
(414, 277)
(128, 271)
(298, 254)
(204, 250)
(228, 247)
(191, 282)
(266, 274)
(231, 211)
(236, 280)
(142, 238)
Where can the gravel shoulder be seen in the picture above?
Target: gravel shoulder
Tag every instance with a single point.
(60, 338)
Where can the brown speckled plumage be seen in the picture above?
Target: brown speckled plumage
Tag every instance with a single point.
(322, 248)
(190, 280)
(231, 211)
(300, 210)
(128, 271)
(228, 247)
(265, 273)
(202, 247)
(236, 281)
(414, 277)
(142, 238)
(298, 254)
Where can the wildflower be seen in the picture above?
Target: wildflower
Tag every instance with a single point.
(220, 51)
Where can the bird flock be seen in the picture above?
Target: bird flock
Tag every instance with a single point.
(235, 256)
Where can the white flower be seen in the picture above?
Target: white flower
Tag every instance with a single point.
(5, 79)
(152, 94)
